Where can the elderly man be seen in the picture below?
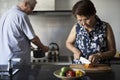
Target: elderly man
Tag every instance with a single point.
(16, 33)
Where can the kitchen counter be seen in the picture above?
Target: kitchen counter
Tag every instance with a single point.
(45, 72)
(34, 72)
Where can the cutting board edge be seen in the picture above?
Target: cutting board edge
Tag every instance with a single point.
(102, 68)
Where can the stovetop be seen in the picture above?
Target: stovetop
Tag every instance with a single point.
(62, 60)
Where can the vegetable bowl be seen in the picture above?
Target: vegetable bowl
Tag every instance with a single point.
(57, 74)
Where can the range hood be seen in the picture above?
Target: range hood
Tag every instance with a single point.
(45, 5)
(54, 5)
(53, 12)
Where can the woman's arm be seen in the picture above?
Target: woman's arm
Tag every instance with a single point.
(111, 48)
(70, 43)
(110, 44)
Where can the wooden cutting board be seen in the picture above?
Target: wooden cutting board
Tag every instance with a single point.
(97, 68)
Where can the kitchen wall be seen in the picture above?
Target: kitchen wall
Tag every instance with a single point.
(6, 4)
(52, 28)
(109, 10)
(55, 28)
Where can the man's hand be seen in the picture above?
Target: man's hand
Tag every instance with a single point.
(45, 49)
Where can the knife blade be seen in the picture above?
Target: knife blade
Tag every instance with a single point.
(84, 60)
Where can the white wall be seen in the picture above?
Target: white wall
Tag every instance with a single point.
(53, 28)
(6, 4)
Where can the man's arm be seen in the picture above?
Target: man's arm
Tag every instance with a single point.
(38, 43)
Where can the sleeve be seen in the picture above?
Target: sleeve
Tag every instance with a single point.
(27, 27)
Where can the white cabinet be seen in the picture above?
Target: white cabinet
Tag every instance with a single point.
(64, 4)
(44, 5)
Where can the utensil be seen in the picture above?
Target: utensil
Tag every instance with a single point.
(38, 53)
(82, 60)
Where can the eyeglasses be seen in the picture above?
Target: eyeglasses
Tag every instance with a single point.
(84, 20)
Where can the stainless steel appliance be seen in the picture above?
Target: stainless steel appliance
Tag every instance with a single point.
(53, 53)
(50, 57)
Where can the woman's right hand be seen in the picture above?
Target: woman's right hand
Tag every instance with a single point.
(77, 54)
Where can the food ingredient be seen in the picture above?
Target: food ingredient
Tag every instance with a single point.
(70, 73)
(88, 65)
(62, 74)
(78, 73)
(64, 70)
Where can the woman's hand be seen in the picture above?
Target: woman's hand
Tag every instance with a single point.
(95, 58)
(77, 54)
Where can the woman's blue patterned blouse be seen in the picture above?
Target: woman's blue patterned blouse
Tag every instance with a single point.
(92, 42)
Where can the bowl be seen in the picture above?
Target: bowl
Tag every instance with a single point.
(56, 73)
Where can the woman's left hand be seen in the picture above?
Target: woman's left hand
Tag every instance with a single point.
(94, 58)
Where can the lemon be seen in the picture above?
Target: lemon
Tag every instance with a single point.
(78, 73)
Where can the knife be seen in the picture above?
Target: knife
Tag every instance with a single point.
(84, 60)
(81, 60)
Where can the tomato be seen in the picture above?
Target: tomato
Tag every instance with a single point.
(70, 73)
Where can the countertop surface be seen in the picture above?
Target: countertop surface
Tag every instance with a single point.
(45, 72)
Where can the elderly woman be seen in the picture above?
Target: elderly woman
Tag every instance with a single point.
(90, 37)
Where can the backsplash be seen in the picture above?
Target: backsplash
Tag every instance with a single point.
(53, 28)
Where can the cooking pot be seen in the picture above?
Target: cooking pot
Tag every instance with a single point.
(38, 53)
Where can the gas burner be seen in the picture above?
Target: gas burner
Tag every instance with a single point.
(38, 55)
(51, 56)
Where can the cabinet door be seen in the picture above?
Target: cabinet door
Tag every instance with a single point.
(64, 4)
(43, 5)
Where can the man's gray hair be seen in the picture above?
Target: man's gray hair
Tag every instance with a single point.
(31, 2)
